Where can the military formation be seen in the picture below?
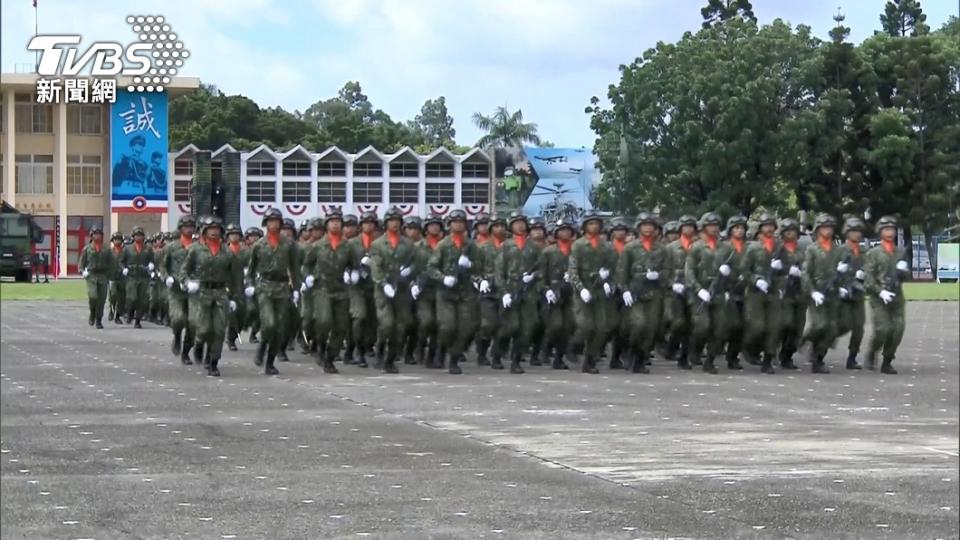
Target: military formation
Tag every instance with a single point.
(401, 290)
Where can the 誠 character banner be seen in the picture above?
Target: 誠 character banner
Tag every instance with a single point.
(138, 153)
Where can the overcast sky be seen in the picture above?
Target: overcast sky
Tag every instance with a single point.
(547, 57)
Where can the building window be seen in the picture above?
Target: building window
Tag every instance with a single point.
(258, 191)
(404, 170)
(296, 192)
(83, 175)
(439, 170)
(439, 193)
(216, 171)
(332, 169)
(33, 117)
(261, 168)
(367, 192)
(368, 169)
(474, 193)
(404, 192)
(34, 173)
(332, 192)
(475, 170)
(183, 167)
(181, 190)
(84, 120)
(296, 168)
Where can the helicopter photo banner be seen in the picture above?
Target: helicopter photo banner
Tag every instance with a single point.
(564, 180)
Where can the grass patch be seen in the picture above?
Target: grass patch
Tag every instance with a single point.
(932, 291)
(64, 289)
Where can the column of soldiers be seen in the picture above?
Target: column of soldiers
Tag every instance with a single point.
(414, 291)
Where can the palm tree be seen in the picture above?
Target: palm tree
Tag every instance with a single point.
(505, 130)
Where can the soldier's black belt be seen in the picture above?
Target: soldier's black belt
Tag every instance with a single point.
(213, 284)
(281, 278)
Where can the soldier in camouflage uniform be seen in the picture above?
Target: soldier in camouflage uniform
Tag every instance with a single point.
(308, 248)
(290, 331)
(176, 252)
(538, 235)
(557, 307)
(641, 272)
(392, 268)
(619, 331)
(136, 263)
(455, 264)
(424, 292)
(886, 267)
(671, 232)
(516, 276)
(118, 285)
(591, 261)
(793, 307)
(824, 267)
(329, 266)
(351, 228)
(210, 273)
(96, 263)
(275, 268)
(489, 302)
(251, 236)
(413, 230)
(236, 318)
(765, 273)
(678, 307)
(710, 277)
(734, 314)
(851, 311)
(363, 310)
(154, 313)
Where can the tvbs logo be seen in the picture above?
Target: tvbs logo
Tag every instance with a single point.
(152, 60)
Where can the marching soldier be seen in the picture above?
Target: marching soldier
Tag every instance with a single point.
(236, 317)
(824, 266)
(591, 260)
(413, 230)
(362, 307)
(351, 227)
(251, 236)
(793, 308)
(289, 230)
(671, 232)
(538, 235)
(424, 292)
(392, 267)
(210, 273)
(274, 264)
(557, 308)
(516, 278)
(308, 248)
(183, 329)
(154, 314)
(488, 302)
(764, 270)
(96, 264)
(708, 273)
(454, 264)
(136, 263)
(851, 310)
(886, 268)
(619, 324)
(329, 266)
(678, 307)
(734, 314)
(118, 285)
(640, 271)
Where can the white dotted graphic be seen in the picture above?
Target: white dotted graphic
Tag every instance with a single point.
(167, 52)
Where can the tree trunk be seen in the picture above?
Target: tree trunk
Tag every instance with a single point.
(931, 254)
(908, 245)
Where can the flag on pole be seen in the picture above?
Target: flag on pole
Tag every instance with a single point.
(34, 3)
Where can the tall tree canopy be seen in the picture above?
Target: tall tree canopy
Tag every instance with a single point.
(505, 129)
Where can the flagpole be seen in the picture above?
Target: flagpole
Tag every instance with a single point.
(36, 30)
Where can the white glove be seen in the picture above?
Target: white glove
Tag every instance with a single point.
(861, 275)
(484, 287)
(607, 289)
(725, 269)
(389, 290)
(842, 267)
(248, 292)
(246, 271)
(365, 260)
(507, 301)
(704, 295)
(125, 271)
(405, 271)
(85, 272)
(309, 281)
(818, 298)
(653, 275)
(346, 277)
(763, 285)
(354, 277)
(527, 278)
(902, 266)
(776, 264)
(150, 267)
(795, 271)
(193, 286)
(296, 297)
(415, 291)
(887, 296)
(169, 282)
(232, 305)
(449, 281)
(464, 262)
(566, 277)
(153, 275)
(303, 288)
(627, 298)
(678, 288)
(551, 297)
(604, 273)
(844, 293)
(585, 296)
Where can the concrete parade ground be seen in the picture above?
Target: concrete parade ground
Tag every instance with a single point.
(106, 435)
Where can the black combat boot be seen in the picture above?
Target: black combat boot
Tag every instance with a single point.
(261, 352)
(733, 361)
(695, 360)
(818, 365)
(232, 344)
(177, 344)
(786, 362)
(682, 363)
(206, 357)
(438, 359)
(348, 354)
(558, 362)
(111, 314)
(638, 363)
(708, 366)
(483, 346)
(282, 356)
(99, 324)
(615, 362)
(852, 361)
(91, 319)
(390, 363)
(212, 367)
(117, 318)
(887, 366)
(378, 359)
(198, 352)
(535, 359)
(496, 363)
(136, 323)
(328, 366)
(269, 368)
(589, 365)
(454, 367)
(515, 363)
(767, 365)
(871, 361)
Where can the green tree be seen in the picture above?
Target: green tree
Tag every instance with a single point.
(505, 129)
(903, 17)
(434, 124)
(718, 11)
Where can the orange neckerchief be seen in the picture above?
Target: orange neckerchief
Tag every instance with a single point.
(497, 242)
(520, 240)
(234, 247)
(768, 243)
(737, 244)
(432, 241)
(647, 242)
(594, 240)
(457, 240)
(367, 239)
(888, 246)
(711, 241)
(854, 247)
(825, 243)
(214, 247)
(482, 239)
(686, 242)
(791, 245)
(394, 238)
(138, 246)
(619, 245)
(117, 248)
(564, 246)
(334, 240)
(97, 246)
(273, 238)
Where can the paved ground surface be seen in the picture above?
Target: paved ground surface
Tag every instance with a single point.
(104, 435)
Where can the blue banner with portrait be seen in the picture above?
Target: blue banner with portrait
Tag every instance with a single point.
(138, 152)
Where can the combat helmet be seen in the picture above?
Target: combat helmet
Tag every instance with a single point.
(886, 222)
(272, 213)
(824, 220)
(646, 218)
(788, 224)
(736, 220)
(853, 224)
(393, 213)
(412, 222)
(186, 221)
(709, 218)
